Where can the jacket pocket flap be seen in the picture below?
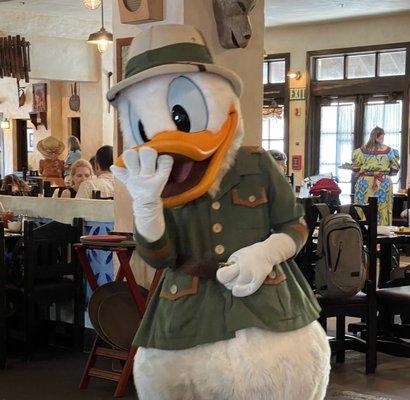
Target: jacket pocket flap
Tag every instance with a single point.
(173, 292)
(253, 200)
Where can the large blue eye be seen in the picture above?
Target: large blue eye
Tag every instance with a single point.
(137, 127)
(187, 105)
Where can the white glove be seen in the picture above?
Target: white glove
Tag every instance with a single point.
(251, 265)
(145, 178)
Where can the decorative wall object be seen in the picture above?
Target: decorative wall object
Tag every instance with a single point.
(39, 97)
(232, 22)
(74, 101)
(140, 11)
(14, 58)
(122, 47)
(121, 54)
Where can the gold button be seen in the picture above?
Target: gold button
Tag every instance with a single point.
(219, 249)
(252, 198)
(173, 289)
(217, 228)
(273, 274)
(216, 205)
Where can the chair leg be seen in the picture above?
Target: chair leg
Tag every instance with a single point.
(29, 324)
(78, 327)
(340, 337)
(3, 345)
(371, 354)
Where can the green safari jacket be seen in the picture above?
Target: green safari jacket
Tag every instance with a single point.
(253, 202)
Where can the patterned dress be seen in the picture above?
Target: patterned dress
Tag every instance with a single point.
(374, 168)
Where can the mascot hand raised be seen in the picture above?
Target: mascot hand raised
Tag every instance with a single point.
(145, 177)
(232, 317)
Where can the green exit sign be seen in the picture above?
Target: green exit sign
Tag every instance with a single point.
(298, 94)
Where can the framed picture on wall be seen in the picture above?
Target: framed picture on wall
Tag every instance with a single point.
(121, 50)
(122, 47)
(39, 97)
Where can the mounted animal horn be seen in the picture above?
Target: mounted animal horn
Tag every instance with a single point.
(232, 21)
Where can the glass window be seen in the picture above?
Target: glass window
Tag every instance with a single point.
(336, 142)
(361, 66)
(277, 71)
(392, 63)
(273, 133)
(329, 68)
(265, 73)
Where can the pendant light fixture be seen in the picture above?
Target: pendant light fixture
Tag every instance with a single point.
(102, 38)
(92, 4)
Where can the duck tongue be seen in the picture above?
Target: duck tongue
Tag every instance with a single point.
(181, 169)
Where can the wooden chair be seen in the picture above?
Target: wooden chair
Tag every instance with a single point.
(51, 275)
(35, 180)
(6, 191)
(3, 335)
(393, 300)
(363, 305)
(400, 203)
(96, 195)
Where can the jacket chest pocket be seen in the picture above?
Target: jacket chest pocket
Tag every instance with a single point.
(250, 208)
(177, 285)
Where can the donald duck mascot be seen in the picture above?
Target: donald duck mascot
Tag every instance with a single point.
(232, 317)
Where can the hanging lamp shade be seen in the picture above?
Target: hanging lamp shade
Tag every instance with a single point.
(92, 4)
(101, 38)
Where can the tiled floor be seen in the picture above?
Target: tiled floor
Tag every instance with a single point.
(57, 378)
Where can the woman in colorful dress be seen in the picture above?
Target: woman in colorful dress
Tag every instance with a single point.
(374, 164)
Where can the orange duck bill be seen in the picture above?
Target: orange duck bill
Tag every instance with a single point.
(197, 159)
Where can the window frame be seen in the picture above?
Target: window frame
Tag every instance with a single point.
(361, 88)
(283, 91)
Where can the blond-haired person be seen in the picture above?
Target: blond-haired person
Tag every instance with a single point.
(81, 171)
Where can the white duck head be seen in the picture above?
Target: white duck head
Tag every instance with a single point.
(193, 115)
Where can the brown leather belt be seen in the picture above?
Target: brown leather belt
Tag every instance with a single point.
(203, 268)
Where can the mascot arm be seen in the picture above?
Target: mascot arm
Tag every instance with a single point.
(145, 177)
(250, 265)
(158, 254)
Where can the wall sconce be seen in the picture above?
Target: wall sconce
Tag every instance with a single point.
(294, 75)
(5, 124)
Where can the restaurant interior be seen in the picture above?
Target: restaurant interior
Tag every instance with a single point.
(324, 101)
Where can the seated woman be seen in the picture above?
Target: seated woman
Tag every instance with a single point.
(18, 186)
(81, 171)
(51, 168)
